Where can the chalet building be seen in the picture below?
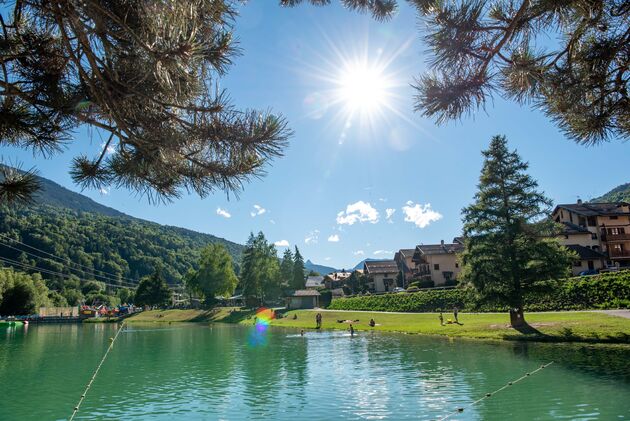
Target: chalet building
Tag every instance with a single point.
(381, 274)
(607, 223)
(314, 282)
(438, 262)
(404, 259)
(336, 280)
(585, 244)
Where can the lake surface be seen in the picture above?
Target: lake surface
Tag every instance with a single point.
(225, 372)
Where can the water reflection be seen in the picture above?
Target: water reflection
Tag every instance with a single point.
(213, 372)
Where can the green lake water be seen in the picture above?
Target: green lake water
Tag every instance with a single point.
(225, 372)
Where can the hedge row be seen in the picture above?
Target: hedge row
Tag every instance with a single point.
(610, 290)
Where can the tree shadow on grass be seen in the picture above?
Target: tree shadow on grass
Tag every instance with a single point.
(236, 316)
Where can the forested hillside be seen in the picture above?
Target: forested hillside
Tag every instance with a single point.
(618, 194)
(121, 246)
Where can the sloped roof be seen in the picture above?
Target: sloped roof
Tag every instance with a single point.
(407, 252)
(314, 281)
(595, 209)
(440, 248)
(585, 253)
(381, 266)
(306, 293)
(569, 229)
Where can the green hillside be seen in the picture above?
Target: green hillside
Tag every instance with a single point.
(618, 194)
(79, 230)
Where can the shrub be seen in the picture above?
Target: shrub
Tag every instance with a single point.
(610, 290)
(426, 283)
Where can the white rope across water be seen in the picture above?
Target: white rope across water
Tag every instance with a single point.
(111, 345)
(487, 395)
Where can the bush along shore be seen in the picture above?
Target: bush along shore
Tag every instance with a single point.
(605, 291)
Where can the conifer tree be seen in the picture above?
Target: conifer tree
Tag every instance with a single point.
(260, 271)
(286, 268)
(509, 240)
(153, 290)
(298, 270)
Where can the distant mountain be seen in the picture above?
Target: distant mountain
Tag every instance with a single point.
(618, 194)
(100, 239)
(321, 269)
(359, 266)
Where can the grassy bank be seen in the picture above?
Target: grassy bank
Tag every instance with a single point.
(551, 327)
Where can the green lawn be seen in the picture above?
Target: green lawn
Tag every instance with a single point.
(561, 326)
(554, 327)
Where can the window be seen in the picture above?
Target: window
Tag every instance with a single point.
(595, 248)
(592, 221)
(577, 263)
(613, 217)
(616, 231)
(436, 267)
(593, 236)
(456, 264)
(571, 217)
(581, 221)
(566, 236)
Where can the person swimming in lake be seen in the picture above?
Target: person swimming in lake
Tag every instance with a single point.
(302, 332)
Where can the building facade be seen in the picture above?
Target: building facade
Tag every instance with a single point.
(607, 223)
(381, 274)
(438, 262)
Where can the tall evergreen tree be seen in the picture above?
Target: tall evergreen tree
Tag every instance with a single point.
(298, 270)
(509, 240)
(260, 271)
(286, 268)
(153, 290)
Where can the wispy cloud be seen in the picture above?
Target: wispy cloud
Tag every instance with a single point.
(389, 212)
(103, 191)
(271, 221)
(380, 252)
(358, 212)
(281, 243)
(420, 215)
(327, 259)
(359, 253)
(258, 210)
(223, 213)
(333, 238)
(312, 237)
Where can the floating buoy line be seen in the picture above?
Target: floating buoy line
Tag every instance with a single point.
(109, 348)
(487, 395)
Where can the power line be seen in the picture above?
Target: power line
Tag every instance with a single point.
(79, 270)
(63, 259)
(51, 272)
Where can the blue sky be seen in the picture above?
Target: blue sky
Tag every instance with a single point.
(331, 192)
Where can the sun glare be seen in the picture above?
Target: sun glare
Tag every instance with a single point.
(363, 88)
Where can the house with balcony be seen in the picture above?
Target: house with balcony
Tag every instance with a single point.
(585, 244)
(336, 280)
(381, 274)
(607, 223)
(438, 262)
(404, 260)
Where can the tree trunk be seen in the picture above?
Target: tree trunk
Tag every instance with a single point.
(517, 318)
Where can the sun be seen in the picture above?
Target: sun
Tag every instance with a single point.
(363, 87)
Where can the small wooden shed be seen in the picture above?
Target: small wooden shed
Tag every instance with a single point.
(303, 298)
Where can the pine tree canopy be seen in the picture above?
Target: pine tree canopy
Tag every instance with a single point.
(571, 59)
(380, 9)
(143, 75)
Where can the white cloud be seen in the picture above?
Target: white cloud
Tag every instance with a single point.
(258, 210)
(223, 213)
(382, 199)
(103, 191)
(110, 149)
(377, 252)
(421, 215)
(281, 243)
(327, 259)
(312, 237)
(359, 253)
(389, 212)
(333, 238)
(272, 221)
(358, 212)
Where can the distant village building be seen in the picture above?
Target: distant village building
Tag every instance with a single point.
(438, 262)
(315, 282)
(303, 298)
(608, 225)
(381, 274)
(406, 265)
(585, 244)
(336, 280)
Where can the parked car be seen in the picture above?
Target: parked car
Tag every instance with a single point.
(588, 272)
(399, 289)
(413, 289)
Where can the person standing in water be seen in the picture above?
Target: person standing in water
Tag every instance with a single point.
(351, 329)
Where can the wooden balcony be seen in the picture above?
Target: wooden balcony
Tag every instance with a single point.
(611, 238)
(623, 254)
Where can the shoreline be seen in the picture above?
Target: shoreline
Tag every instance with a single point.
(589, 327)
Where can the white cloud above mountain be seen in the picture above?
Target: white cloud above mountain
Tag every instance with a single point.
(358, 212)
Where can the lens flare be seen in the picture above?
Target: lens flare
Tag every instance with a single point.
(262, 320)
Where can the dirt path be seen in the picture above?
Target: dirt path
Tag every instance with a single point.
(619, 313)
